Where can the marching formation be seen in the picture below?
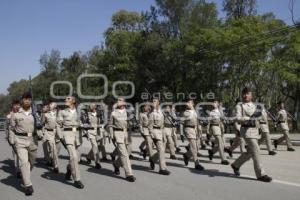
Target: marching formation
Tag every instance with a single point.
(160, 126)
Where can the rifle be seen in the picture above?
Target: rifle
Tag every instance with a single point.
(173, 121)
(291, 116)
(37, 120)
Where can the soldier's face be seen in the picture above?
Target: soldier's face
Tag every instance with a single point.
(93, 107)
(155, 103)
(216, 104)
(70, 101)
(146, 108)
(168, 109)
(52, 106)
(190, 104)
(247, 97)
(16, 107)
(26, 102)
(121, 102)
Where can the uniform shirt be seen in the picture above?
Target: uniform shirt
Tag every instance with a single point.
(49, 120)
(168, 119)
(156, 119)
(283, 119)
(118, 119)
(93, 119)
(190, 118)
(22, 122)
(215, 117)
(68, 118)
(144, 123)
(243, 113)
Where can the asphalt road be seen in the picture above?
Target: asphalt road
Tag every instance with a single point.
(216, 182)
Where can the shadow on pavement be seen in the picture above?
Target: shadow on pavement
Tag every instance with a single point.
(105, 172)
(60, 177)
(11, 179)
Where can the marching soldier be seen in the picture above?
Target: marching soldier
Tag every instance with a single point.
(190, 128)
(156, 125)
(282, 118)
(50, 132)
(22, 126)
(168, 131)
(118, 131)
(144, 129)
(248, 114)
(45, 145)
(238, 141)
(93, 132)
(68, 120)
(265, 132)
(174, 135)
(215, 127)
(15, 106)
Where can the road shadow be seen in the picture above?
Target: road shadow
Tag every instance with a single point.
(104, 172)
(143, 168)
(216, 173)
(60, 177)
(11, 180)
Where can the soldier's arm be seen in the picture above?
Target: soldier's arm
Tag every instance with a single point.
(239, 116)
(59, 118)
(11, 130)
(110, 125)
(141, 124)
(151, 123)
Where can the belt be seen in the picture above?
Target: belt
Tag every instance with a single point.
(248, 126)
(156, 127)
(24, 134)
(71, 129)
(281, 122)
(168, 126)
(189, 126)
(49, 129)
(119, 129)
(214, 124)
(262, 122)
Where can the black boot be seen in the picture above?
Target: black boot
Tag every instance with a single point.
(265, 178)
(272, 153)
(152, 164)
(225, 162)
(78, 184)
(199, 167)
(290, 149)
(56, 170)
(117, 170)
(112, 157)
(177, 150)
(29, 190)
(227, 150)
(210, 154)
(68, 174)
(185, 159)
(98, 166)
(164, 172)
(88, 161)
(236, 170)
(173, 157)
(144, 153)
(275, 144)
(130, 178)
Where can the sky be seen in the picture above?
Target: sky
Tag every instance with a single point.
(28, 28)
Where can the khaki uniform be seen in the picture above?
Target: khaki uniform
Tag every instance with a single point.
(215, 127)
(283, 124)
(25, 141)
(69, 121)
(118, 130)
(251, 135)
(11, 138)
(190, 127)
(168, 135)
(156, 125)
(94, 135)
(144, 123)
(49, 130)
(265, 132)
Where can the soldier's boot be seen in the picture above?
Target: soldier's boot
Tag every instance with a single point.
(164, 172)
(177, 150)
(265, 178)
(185, 159)
(173, 157)
(29, 190)
(227, 150)
(199, 167)
(112, 157)
(225, 162)
(19, 175)
(272, 153)
(56, 170)
(130, 178)
(98, 166)
(78, 184)
(144, 153)
(236, 170)
(210, 154)
(152, 164)
(290, 149)
(68, 174)
(275, 144)
(117, 169)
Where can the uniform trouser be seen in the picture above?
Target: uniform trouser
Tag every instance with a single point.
(94, 152)
(101, 147)
(46, 152)
(16, 162)
(123, 159)
(265, 136)
(174, 137)
(58, 146)
(51, 146)
(159, 155)
(238, 141)
(170, 144)
(285, 138)
(193, 151)
(73, 162)
(129, 145)
(252, 152)
(26, 148)
(219, 147)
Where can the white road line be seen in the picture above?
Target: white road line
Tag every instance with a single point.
(277, 181)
